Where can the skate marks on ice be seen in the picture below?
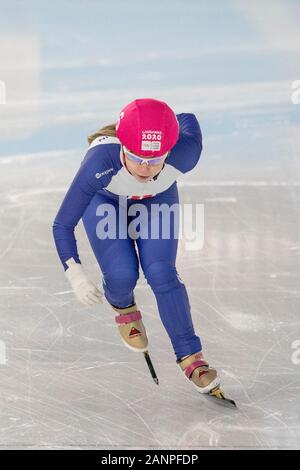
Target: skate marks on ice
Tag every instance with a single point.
(247, 303)
(70, 382)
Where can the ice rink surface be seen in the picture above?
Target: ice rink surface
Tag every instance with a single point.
(66, 379)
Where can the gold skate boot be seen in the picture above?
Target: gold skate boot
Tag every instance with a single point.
(131, 328)
(203, 377)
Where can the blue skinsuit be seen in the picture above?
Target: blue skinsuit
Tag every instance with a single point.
(103, 179)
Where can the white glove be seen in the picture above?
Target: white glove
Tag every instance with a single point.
(84, 289)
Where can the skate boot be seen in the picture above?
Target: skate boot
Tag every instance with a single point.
(203, 377)
(131, 328)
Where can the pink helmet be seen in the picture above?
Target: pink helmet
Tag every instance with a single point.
(147, 127)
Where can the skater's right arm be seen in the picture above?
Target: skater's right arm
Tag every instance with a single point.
(95, 173)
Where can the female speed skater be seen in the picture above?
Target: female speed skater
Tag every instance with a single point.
(136, 160)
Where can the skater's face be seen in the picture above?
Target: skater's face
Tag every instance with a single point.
(141, 171)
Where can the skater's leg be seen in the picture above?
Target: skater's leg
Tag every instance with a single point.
(118, 261)
(116, 257)
(158, 258)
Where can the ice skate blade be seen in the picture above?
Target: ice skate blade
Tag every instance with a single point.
(218, 397)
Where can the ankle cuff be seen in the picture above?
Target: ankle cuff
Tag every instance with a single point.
(129, 317)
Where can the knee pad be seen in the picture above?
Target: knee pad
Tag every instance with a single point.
(121, 280)
(162, 277)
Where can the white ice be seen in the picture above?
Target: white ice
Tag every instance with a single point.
(66, 379)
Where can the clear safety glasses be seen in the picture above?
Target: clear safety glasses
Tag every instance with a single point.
(140, 160)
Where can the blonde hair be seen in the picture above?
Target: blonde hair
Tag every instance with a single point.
(109, 130)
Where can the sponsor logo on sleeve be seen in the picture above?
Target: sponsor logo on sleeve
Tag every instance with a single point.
(103, 173)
